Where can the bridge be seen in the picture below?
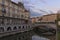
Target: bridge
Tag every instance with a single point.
(13, 29)
(46, 24)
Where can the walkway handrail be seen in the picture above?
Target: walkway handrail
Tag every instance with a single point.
(45, 23)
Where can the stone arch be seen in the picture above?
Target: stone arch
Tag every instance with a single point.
(23, 27)
(19, 27)
(1, 29)
(15, 28)
(9, 29)
(28, 26)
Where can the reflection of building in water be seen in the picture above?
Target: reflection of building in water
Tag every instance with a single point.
(12, 15)
(31, 35)
(20, 36)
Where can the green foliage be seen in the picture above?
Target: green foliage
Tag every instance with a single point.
(58, 36)
(57, 23)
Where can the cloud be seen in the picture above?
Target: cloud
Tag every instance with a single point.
(16, 1)
(54, 9)
(35, 14)
(39, 11)
(35, 6)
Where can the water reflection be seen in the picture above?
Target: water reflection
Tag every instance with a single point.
(24, 36)
(35, 37)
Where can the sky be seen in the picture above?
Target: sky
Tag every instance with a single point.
(41, 7)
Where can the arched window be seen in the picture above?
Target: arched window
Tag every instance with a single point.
(1, 29)
(9, 29)
(15, 28)
(22, 16)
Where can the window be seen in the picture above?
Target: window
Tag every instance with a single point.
(22, 16)
(0, 1)
(6, 3)
(3, 10)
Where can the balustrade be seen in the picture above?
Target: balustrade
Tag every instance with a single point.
(10, 28)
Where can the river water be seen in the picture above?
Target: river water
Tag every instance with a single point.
(36, 37)
(31, 35)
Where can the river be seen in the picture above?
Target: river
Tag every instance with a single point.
(31, 35)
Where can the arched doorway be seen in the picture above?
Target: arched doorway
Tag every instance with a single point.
(1, 29)
(9, 29)
(15, 28)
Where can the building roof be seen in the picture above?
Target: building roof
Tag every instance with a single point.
(50, 14)
(43, 16)
(14, 3)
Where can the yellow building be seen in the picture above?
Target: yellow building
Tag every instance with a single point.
(49, 18)
(45, 18)
(33, 20)
(12, 13)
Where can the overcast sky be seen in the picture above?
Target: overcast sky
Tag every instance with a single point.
(35, 6)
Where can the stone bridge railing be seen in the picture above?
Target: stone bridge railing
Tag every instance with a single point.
(6, 30)
(21, 27)
(11, 29)
(46, 24)
(15, 28)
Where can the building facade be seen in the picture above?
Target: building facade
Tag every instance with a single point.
(13, 16)
(46, 18)
(14, 11)
(35, 19)
(49, 18)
